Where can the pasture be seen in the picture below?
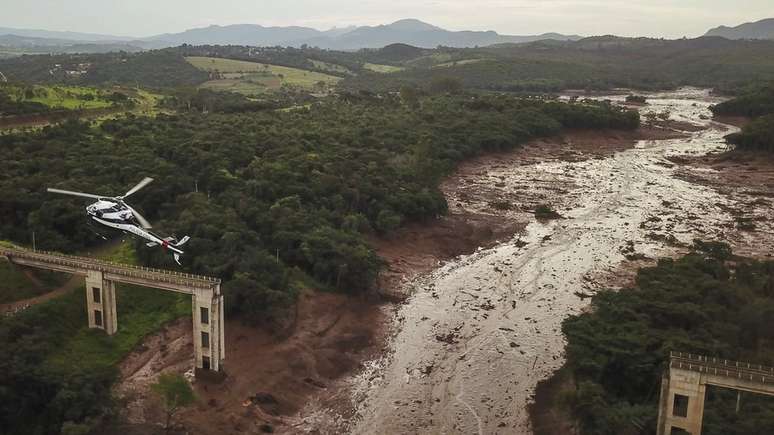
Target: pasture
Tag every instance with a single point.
(383, 69)
(61, 97)
(254, 78)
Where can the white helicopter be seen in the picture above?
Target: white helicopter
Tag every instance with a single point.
(113, 212)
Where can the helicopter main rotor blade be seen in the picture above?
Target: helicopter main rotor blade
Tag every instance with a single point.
(70, 192)
(138, 186)
(140, 218)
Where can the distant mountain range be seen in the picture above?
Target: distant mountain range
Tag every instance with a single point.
(409, 31)
(763, 29)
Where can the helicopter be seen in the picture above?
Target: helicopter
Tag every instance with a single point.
(114, 212)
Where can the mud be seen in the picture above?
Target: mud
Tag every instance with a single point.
(484, 291)
(478, 333)
(270, 374)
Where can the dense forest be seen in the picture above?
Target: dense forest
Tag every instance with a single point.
(756, 102)
(272, 200)
(708, 302)
(298, 186)
(151, 69)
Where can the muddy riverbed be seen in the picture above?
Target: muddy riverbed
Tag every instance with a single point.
(479, 332)
(470, 336)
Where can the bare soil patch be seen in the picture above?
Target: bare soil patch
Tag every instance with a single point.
(748, 177)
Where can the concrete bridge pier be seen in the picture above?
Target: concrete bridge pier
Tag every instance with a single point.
(682, 407)
(101, 302)
(102, 276)
(684, 384)
(208, 331)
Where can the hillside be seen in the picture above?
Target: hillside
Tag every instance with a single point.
(419, 34)
(252, 78)
(591, 63)
(409, 31)
(763, 29)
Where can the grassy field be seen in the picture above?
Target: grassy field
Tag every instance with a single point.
(255, 78)
(62, 97)
(457, 63)
(331, 67)
(384, 69)
(141, 311)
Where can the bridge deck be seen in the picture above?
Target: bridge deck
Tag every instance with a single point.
(722, 367)
(120, 272)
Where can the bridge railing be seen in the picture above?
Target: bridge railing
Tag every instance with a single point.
(722, 367)
(86, 263)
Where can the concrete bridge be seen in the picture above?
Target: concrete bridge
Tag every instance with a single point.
(102, 276)
(684, 384)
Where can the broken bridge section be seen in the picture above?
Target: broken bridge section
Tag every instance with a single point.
(102, 276)
(684, 384)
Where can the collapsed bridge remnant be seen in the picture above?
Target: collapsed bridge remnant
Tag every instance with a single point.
(684, 384)
(102, 276)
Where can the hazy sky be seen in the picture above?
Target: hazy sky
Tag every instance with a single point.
(586, 17)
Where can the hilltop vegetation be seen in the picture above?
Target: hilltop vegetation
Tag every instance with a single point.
(542, 66)
(757, 102)
(591, 63)
(708, 303)
(151, 69)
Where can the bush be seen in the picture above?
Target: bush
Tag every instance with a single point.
(544, 211)
(637, 99)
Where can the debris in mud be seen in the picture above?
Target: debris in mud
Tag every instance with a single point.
(487, 306)
(265, 400)
(583, 295)
(667, 239)
(450, 338)
(745, 223)
(545, 212)
(630, 253)
(315, 382)
(501, 205)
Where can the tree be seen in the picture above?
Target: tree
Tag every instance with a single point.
(410, 96)
(175, 391)
(445, 85)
